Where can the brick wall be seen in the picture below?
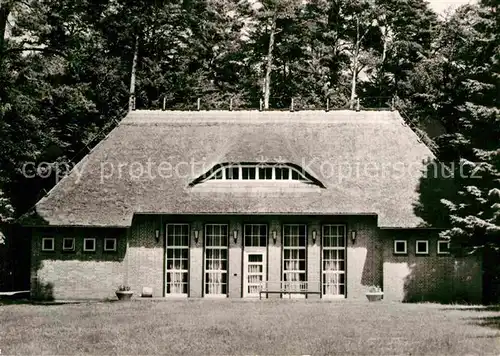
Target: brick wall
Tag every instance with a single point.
(364, 256)
(140, 260)
(144, 259)
(76, 275)
(432, 277)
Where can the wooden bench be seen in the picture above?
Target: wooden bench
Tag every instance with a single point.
(289, 287)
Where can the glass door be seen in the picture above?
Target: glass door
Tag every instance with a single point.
(333, 261)
(294, 259)
(216, 246)
(255, 273)
(177, 260)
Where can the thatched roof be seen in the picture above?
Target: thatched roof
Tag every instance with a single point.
(375, 146)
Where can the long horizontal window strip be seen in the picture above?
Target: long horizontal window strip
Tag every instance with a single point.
(258, 172)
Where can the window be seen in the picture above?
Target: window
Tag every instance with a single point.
(443, 247)
(110, 244)
(233, 173)
(218, 175)
(400, 247)
(294, 255)
(216, 242)
(422, 247)
(333, 260)
(248, 173)
(48, 244)
(69, 244)
(89, 245)
(255, 171)
(282, 173)
(266, 173)
(177, 260)
(255, 235)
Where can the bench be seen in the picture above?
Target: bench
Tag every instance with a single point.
(289, 287)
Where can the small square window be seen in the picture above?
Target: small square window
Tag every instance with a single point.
(110, 244)
(48, 244)
(422, 247)
(443, 247)
(400, 247)
(69, 244)
(89, 245)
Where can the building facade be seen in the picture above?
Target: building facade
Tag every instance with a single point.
(258, 213)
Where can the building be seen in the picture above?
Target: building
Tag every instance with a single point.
(216, 203)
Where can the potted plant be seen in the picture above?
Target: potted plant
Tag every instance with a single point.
(124, 292)
(374, 294)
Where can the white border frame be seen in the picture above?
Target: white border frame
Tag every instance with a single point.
(439, 252)
(84, 243)
(396, 252)
(53, 244)
(69, 249)
(115, 243)
(426, 247)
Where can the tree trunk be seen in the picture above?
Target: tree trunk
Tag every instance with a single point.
(355, 67)
(131, 102)
(267, 79)
(4, 17)
(384, 50)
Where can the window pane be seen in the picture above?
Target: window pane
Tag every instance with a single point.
(232, 173)
(400, 247)
(282, 173)
(217, 175)
(248, 172)
(265, 173)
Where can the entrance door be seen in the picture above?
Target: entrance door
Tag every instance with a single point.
(254, 259)
(254, 273)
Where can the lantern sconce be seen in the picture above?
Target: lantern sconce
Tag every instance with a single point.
(353, 236)
(196, 235)
(314, 236)
(157, 235)
(235, 236)
(274, 236)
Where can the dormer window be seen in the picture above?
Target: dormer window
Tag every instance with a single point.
(257, 171)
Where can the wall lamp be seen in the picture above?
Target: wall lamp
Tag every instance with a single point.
(274, 236)
(196, 235)
(235, 235)
(314, 236)
(353, 236)
(157, 235)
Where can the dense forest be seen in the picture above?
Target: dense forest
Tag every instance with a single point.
(66, 68)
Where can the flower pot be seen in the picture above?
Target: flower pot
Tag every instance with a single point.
(374, 296)
(124, 294)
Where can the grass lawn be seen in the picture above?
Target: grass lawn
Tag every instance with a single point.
(248, 327)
